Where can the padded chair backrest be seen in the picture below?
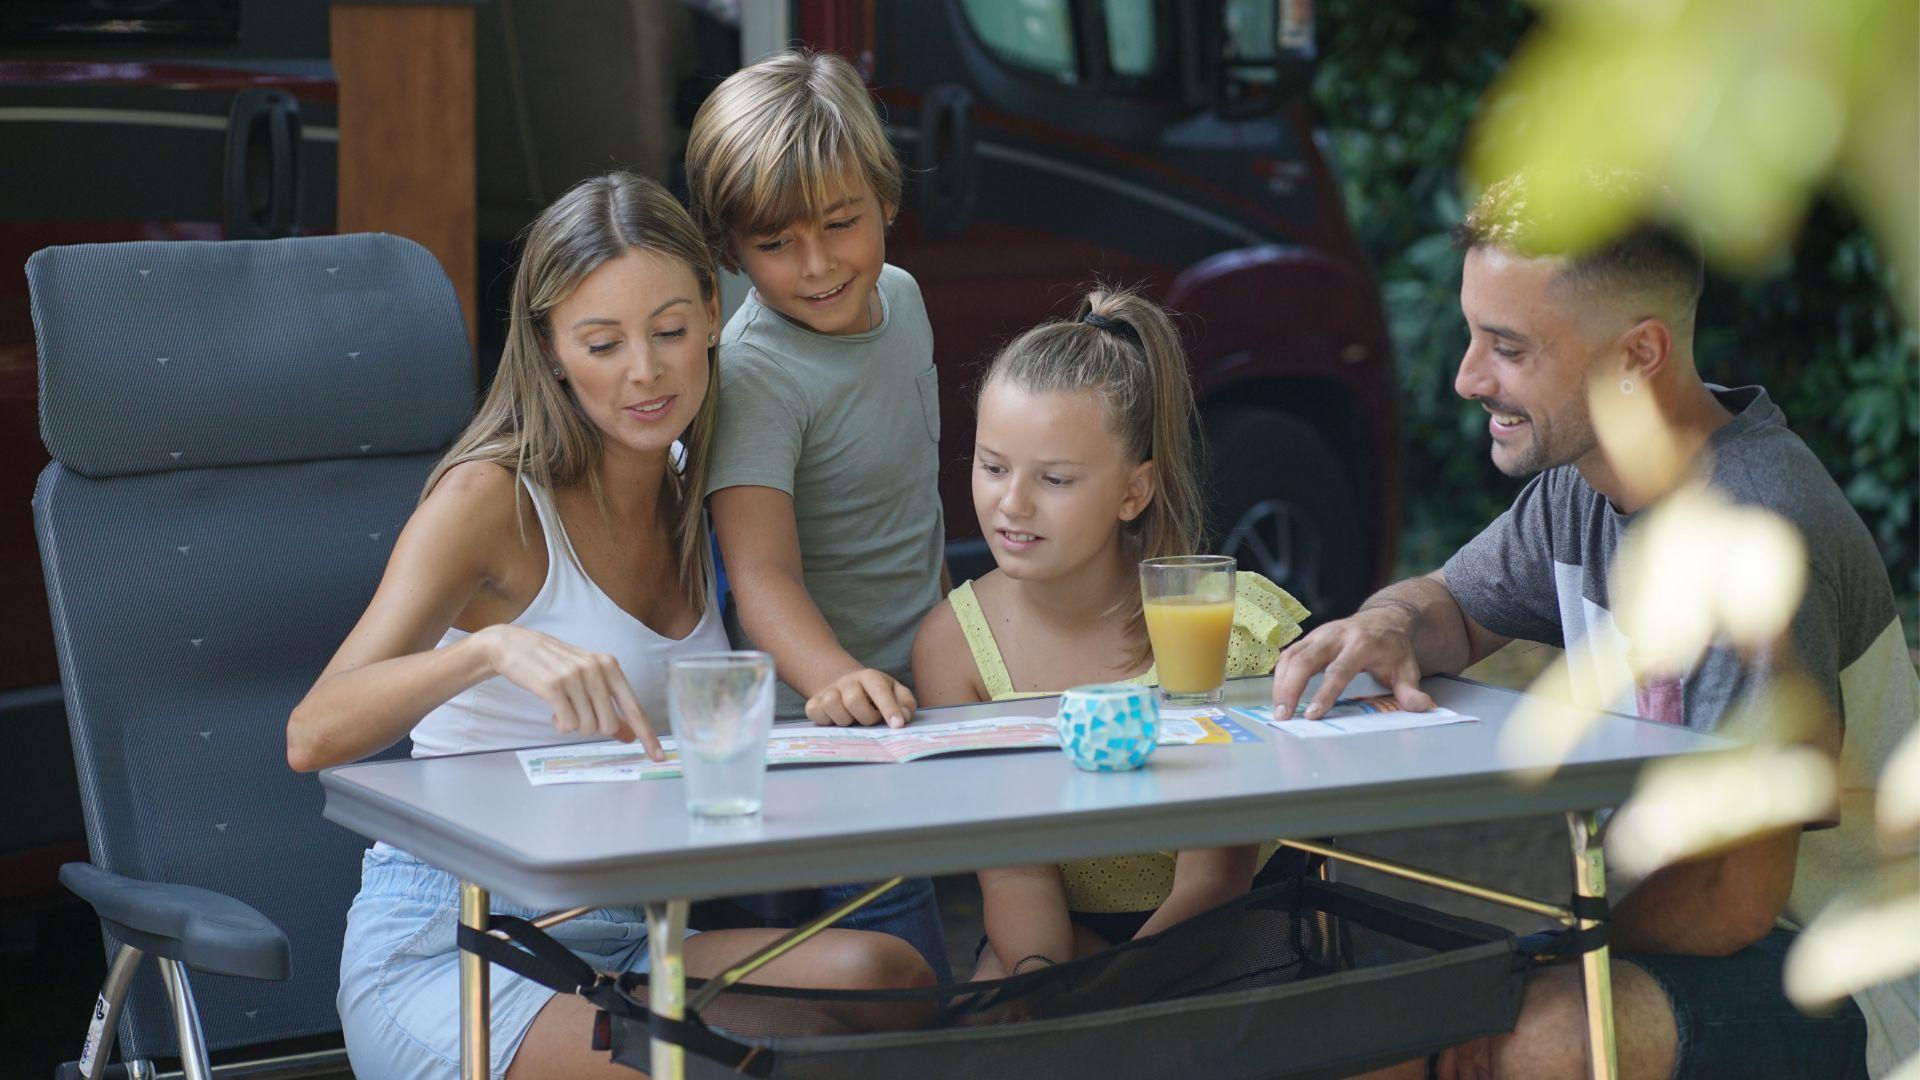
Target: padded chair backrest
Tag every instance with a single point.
(239, 430)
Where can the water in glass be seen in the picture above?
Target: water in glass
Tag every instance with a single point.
(721, 708)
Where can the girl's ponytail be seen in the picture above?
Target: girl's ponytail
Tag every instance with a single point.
(1161, 425)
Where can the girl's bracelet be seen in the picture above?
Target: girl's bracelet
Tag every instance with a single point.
(1035, 956)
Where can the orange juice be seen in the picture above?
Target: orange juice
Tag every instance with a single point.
(1189, 635)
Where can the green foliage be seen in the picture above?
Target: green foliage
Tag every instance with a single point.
(1399, 83)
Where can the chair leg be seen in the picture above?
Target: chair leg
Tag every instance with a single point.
(105, 1024)
(186, 1021)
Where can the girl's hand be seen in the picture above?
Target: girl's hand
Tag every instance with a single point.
(587, 691)
(864, 697)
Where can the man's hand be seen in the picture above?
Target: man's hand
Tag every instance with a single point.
(865, 697)
(1377, 641)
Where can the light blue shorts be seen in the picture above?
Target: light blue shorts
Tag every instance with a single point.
(400, 971)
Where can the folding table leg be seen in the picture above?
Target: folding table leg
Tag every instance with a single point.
(475, 1061)
(667, 981)
(1590, 879)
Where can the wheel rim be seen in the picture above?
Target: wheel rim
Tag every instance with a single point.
(1273, 538)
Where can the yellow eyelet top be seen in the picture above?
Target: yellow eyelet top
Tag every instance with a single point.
(1265, 619)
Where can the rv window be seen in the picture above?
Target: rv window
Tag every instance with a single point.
(1032, 34)
(1251, 34)
(1132, 51)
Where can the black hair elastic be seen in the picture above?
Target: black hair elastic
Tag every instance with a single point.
(1116, 327)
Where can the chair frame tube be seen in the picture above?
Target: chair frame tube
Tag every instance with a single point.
(113, 995)
(186, 1021)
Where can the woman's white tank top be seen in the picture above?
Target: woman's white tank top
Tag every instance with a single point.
(497, 715)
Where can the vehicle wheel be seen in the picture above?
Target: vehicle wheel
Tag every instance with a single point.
(1284, 507)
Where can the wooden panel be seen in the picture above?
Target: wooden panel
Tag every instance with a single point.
(407, 130)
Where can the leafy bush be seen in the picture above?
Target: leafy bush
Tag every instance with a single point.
(1398, 84)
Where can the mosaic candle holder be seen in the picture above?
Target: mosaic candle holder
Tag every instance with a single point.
(1109, 727)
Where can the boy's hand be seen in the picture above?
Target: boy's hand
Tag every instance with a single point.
(864, 697)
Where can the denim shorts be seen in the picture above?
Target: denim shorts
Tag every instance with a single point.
(1733, 1017)
(400, 973)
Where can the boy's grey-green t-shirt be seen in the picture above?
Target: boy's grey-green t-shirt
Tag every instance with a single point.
(850, 427)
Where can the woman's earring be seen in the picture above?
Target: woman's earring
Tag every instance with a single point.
(711, 338)
(1626, 386)
(556, 373)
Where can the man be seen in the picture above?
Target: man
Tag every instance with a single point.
(1697, 956)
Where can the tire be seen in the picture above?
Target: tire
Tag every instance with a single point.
(1283, 505)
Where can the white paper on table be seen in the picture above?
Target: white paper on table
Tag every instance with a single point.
(1357, 716)
(596, 763)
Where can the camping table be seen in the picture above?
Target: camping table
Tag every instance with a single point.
(478, 818)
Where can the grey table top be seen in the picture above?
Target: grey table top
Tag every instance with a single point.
(563, 846)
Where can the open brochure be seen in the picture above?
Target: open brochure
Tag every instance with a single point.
(1355, 716)
(799, 744)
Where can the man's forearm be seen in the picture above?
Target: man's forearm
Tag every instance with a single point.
(782, 619)
(1433, 622)
(1708, 907)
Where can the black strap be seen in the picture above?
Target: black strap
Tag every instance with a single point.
(1592, 908)
(691, 1034)
(543, 960)
(1568, 944)
(1577, 941)
(552, 965)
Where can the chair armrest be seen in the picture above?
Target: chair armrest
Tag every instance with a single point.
(205, 930)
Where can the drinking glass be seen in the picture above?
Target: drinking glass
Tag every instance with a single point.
(1188, 600)
(721, 707)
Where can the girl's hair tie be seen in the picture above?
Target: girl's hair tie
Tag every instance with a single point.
(1116, 327)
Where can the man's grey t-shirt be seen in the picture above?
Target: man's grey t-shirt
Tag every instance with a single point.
(850, 427)
(1541, 571)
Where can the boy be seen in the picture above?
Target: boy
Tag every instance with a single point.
(823, 479)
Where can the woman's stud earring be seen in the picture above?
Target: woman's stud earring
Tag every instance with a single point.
(1626, 386)
(556, 373)
(711, 338)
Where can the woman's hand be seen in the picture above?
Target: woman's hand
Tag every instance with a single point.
(587, 691)
(865, 697)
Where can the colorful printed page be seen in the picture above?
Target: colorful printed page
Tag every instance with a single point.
(1356, 716)
(601, 762)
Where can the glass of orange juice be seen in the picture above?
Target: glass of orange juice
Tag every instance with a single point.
(1188, 600)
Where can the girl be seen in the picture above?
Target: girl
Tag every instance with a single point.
(1084, 464)
(497, 627)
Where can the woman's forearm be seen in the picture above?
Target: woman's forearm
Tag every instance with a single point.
(359, 711)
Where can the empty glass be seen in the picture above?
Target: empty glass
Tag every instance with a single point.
(1188, 600)
(721, 708)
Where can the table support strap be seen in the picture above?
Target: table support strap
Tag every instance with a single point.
(1436, 880)
(716, 985)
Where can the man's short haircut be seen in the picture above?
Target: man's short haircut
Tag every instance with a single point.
(777, 142)
(1647, 259)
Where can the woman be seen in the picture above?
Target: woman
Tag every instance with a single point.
(556, 561)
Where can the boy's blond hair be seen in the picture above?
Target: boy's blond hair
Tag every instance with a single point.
(775, 144)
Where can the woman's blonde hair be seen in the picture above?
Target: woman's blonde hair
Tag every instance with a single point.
(1124, 348)
(776, 143)
(530, 421)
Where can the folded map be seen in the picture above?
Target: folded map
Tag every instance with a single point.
(800, 744)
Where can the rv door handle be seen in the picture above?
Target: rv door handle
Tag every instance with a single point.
(946, 161)
(262, 175)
